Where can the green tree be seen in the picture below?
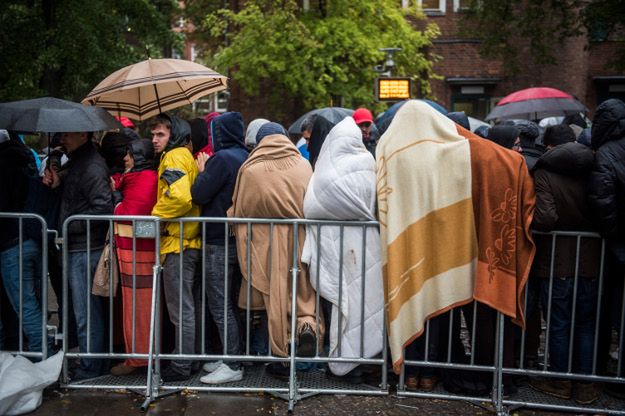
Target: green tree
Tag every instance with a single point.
(64, 48)
(322, 56)
(506, 27)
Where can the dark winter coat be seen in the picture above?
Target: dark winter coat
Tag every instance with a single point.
(85, 191)
(607, 183)
(214, 187)
(561, 180)
(16, 169)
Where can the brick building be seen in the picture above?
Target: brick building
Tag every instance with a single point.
(474, 84)
(470, 82)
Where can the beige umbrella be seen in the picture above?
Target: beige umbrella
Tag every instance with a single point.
(147, 88)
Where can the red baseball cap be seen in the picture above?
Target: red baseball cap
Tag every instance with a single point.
(362, 115)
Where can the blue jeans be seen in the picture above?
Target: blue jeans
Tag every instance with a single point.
(82, 299)
(560, 325)
(31, 286)
(215, 295)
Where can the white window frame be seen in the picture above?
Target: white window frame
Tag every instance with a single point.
(457, 7)
(442, 8)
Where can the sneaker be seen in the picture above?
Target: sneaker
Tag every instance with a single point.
(170, 374)
(556, 388)
(307, 342)
(211, 366)
(223, 374)
(586, 393)
(123, 370)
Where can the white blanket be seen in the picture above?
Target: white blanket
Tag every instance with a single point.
(343, 187)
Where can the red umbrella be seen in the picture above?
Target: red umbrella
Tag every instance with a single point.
(536, 104)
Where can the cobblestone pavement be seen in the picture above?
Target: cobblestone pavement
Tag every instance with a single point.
(62, 402)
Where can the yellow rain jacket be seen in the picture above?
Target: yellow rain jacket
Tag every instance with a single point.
(177, 172)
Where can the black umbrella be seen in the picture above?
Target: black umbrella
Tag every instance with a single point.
(332, 114)
(53, 115)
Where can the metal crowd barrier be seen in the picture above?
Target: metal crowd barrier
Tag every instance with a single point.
(301, 382)
(511, 381)
(461, 355)
(38, 280)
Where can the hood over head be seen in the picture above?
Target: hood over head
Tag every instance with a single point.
(180, 132)
(558, 134)
(142, 152)
(113, 149)
(608, 122)
(459, 117)
(570, 159)
(227, 131)
(504, 136)
(199, 133)
(528, 131)
(320, 131)
(252, 131)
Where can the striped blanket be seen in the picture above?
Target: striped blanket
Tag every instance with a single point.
(443, 241)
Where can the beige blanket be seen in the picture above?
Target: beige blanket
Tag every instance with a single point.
(271, 184)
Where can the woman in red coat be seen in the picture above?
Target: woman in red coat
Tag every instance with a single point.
(135, 194)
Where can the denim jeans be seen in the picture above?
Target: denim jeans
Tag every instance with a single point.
(31, 286)
(179, 293)
(215, 295)
(560, 325)
(92, 337)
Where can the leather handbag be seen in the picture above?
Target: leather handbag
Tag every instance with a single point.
(108, 268)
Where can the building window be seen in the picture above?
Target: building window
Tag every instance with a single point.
(433, 7)
(461, 5)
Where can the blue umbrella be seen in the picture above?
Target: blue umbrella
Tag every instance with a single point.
(385, 119)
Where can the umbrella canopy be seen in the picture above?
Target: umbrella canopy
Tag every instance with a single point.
(475, 123)
(385, 119)
(332, 114)
(147, 88)
(53, 115)
(536, 104)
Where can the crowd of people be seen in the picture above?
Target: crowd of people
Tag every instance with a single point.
(216, 168)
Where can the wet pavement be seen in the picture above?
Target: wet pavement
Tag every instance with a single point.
(62, 402)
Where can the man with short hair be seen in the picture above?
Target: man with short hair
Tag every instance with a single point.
(85, 190)
(177, 172)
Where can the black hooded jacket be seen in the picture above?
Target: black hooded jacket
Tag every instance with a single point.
(561, 179)
(214, 187)
(607, 184)
(180, 132)
(142, 152)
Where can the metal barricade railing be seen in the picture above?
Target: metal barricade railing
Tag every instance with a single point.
(35, 294)
(300, 383)
(514, 382)
(305, 375)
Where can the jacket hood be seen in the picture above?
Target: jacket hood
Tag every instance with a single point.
(570, 159)
(320, 130)
(227, 131)
(180, 132)
(252, 130)
(199, 133)
(528, 131)
(608, 123)
(142, 152)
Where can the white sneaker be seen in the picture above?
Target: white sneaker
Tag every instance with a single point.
(222, 375)
(211, 366)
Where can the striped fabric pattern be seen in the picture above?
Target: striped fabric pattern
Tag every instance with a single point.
(429, 241)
